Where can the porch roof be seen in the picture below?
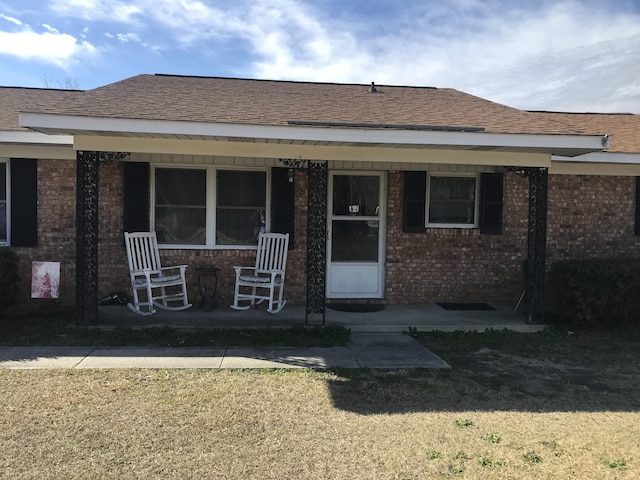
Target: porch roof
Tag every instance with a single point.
(166, 107)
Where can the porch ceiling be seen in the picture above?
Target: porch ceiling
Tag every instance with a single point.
(315, 136)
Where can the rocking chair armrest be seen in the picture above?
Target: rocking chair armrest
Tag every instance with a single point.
(141, 273)
(173, 267)
(239, 270)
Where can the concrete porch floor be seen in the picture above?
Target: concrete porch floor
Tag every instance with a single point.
(394, 318)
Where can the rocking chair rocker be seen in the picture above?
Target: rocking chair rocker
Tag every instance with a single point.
(164, 287)
(265, 281)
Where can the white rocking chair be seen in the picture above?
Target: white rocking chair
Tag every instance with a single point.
(164, 287)
(265, 281)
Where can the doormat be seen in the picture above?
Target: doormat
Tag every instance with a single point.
(356, 307)
(466, 306)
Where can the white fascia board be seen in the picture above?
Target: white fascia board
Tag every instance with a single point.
(69, 123)
(34, 138)
(600, 157)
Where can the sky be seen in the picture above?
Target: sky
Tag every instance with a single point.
(562, 55)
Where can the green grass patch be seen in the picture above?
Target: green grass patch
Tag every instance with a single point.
(464, 423)
(53, 325)
(532, 457)
(492, 438)
(615, 464)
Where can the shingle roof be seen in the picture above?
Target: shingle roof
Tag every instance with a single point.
(19, 99)
(268, 102)
(622, 128)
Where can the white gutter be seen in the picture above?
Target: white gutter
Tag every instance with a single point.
(600, 157)
(34, 138)
(100, 125)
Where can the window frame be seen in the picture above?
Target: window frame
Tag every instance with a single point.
(7, 241)
(476, 207)
(210, 205)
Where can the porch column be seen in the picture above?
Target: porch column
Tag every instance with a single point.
(87, 169)
(537, 242)
(318, 176)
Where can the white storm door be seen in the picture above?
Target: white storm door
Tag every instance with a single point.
(355, 245)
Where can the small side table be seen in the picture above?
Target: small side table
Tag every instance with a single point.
(208, 300)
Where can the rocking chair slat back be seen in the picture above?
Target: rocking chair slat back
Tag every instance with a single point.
(272, 252)
(142, 249)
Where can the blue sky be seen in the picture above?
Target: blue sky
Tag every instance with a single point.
(567, 55)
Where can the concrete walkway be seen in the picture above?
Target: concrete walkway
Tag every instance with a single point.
(365, 350)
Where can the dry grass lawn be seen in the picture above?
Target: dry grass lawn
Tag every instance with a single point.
(302, 424)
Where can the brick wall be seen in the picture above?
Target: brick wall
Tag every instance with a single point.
(588, 216)
(444, 264)
(56, 228)
(591, 216)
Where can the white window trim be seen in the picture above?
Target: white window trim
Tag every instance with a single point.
(7, 241)
(210, 203)
(476, 201)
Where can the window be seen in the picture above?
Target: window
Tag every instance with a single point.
(4, 188)
(209, 206)
(241, 207)
(181, 206)
(452, 201)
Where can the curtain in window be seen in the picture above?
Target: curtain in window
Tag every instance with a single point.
(452, 200)
(241, 207)
(181, 209)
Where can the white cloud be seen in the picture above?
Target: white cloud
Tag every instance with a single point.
(128, 37)
(10, 19)
(50, 28)
(98, 10)
(564, 56)
(48, 47)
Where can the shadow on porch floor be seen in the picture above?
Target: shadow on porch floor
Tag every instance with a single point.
(394, 318)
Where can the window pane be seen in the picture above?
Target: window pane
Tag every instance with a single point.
(356, 195)
(180, 211)
(354, 241)
(238, 226)
(452, 200)
(3, 202)
(175, 186)
(240, 213)
(3, 221)
(242, 189)
(3, 181)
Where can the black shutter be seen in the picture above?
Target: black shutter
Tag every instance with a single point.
(136, 197)
(415, 196)
(491, 193)
(637, 205)
(282, 203)
(24, 202)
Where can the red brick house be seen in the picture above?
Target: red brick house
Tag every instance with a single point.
(392, 194)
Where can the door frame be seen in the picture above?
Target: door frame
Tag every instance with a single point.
(382, 236)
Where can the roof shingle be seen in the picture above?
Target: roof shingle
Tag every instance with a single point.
(269, 102)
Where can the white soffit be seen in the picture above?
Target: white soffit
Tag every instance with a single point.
(78, 125)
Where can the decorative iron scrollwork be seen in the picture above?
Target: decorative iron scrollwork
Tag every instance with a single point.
(537, 242)
(87, 229)
(108, 157)
(295, 163)
(536, 239)
(318, 177)
(87, 167)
